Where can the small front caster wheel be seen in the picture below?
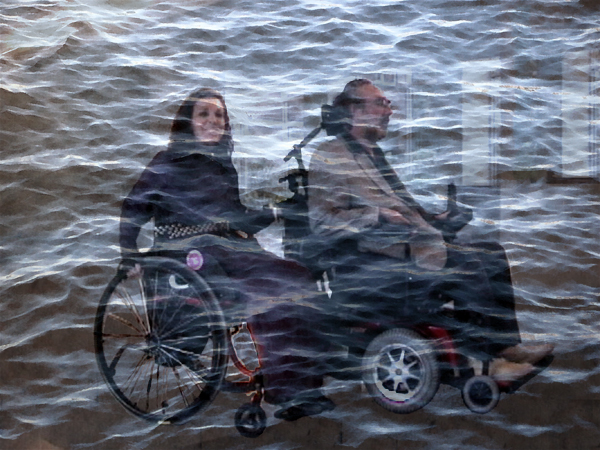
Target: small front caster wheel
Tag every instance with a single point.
(481, 394)
(250, 420)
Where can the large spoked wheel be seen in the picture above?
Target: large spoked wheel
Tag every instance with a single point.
(160, 340)
(400, 370)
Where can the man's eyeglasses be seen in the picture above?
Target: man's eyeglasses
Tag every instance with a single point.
(379, 101)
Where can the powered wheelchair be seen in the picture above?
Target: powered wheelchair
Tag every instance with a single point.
(166, 334)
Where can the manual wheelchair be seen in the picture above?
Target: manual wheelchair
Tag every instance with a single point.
(163, 344)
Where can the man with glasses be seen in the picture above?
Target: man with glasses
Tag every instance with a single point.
(393, 257)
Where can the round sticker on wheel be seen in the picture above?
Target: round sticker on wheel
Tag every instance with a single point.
(194, 260)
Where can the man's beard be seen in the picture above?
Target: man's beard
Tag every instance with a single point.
(374, 134)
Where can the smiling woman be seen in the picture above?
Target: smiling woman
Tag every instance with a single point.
(208, 120)
(191, 190)
(192, 183)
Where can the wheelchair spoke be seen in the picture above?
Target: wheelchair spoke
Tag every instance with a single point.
(398, 372)
(155, 298)
(182, 327)
(201, 373)
(157, 388)
(130, 304)
(123, 294)
(161, 389)
(144, 300)
(192, 373)
(133, 379)
(175, 349)
(412, 364)
(389, 361)
(148, 373)
(401, 358)
(148, 388)
(175, 343)
(178, 378)
(172, 316)
(412, 377)
(125, 322)
(158, 320)
(120, 336)
(116, 359)
(145, 372)
(401, 386)
(387, 377)
(204, 362)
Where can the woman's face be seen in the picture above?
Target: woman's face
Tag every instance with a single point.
(208, 120)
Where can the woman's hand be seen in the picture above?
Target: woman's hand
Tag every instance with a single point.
(133, 269)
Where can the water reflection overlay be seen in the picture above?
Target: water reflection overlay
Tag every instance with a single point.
(501, 98)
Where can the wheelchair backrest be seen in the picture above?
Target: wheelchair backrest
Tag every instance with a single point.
(299, 242)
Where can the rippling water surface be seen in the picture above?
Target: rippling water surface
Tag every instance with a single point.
(87, 93)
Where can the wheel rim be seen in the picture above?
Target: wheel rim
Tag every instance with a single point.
(250, 420)
(159, 343)
(481, 394)
(399, 373)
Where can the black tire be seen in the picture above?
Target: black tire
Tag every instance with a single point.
(481, 394)
(250, 420)
(160, 340)
(400, 370)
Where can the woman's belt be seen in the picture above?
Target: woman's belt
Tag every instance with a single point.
(179, 230)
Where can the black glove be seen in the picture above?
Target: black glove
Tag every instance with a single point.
(458, 216)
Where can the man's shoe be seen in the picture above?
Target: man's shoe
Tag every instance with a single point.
(503, 370)
(527, 353)
(305, 407)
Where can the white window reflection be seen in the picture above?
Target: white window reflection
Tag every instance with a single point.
(580, 112)
(480, 122)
